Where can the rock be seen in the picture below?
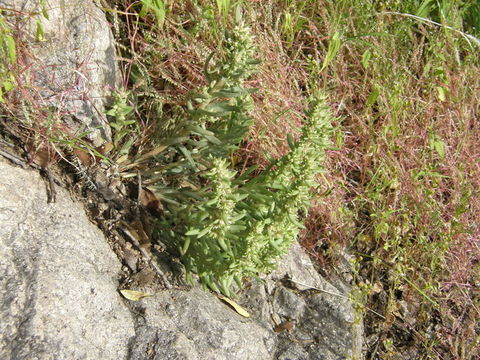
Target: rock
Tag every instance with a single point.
(59, 297)
(197, 325)
(325, 326)
(58, 277)
(319, 325)
(74, 68)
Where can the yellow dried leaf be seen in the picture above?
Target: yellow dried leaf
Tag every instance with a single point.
(234, 305)
(377, 287)
(134, 295)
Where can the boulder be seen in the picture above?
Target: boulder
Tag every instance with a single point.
(312, 318)
(58, 277)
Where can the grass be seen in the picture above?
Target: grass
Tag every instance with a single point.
(400, 190)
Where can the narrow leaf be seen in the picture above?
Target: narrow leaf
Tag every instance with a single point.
(134, 295)
(239, 309)
(12, 50)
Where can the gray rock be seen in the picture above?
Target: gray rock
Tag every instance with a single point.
(197, 325)
(59, 299)
(323, 317)
(58, 277)
(74, 68)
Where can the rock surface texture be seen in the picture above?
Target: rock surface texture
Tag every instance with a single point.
(59, 297)
(58, 277)
(72, 66)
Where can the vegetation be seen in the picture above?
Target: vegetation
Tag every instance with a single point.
(399, 188)
(229, 225)
(8, 56)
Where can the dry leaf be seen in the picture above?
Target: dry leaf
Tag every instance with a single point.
(43, 157)
(150, 202)
(286, 325)
(134, 295)
(377, 288)
(105, 148)
(122, 159)
(83, 156)
(137, 231)
(234, 305)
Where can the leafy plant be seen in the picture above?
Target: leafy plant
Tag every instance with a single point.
(228, 225)
(122, 123)
(8, 57)
(223, 7)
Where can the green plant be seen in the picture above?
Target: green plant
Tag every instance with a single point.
(8, 57)
(402, 184)
(223, 7)
(122, 123)
(155, 7)
(228, 225)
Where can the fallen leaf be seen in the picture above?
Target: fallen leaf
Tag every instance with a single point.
(43, 157)
(150, 202)
(122, 159)
(105, 148)
(286, 325)
(377, 288)
(137, 231)
(234, 305)
(83, 156)
(134, 295)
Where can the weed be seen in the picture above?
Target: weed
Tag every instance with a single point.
(234, 226)
(8, 56)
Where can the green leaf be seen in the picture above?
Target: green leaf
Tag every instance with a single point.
(233, 92)
(188, 156)
(221, 242)
(373, 96)
(8, 85)
(237, 228)
(291, 141)
(366, 58)
(440, 148)
(43, 5)
(442, 93)
(157, 7)
(213, 140)
(203, 232)
(127, 146)
(218, 109)
(11, 48)
(424, 9)
(39, 34)
(146, 6)
(199, 130)
(192, 232)
(332, 51)
(185, 246)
